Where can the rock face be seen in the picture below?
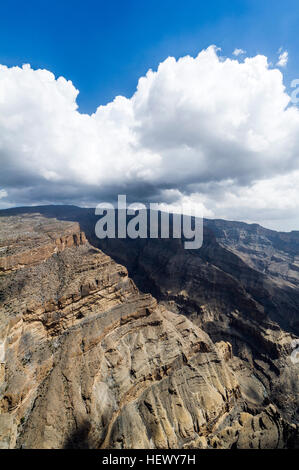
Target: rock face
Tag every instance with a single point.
(241, 288)
(88, 360)
(28, 241)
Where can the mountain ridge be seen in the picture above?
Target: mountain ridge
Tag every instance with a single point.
(245, 318)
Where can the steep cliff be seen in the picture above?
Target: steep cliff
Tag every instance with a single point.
(240, 287)
(88, 360)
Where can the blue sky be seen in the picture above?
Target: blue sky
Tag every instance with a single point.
(212, 129)
(105, 46)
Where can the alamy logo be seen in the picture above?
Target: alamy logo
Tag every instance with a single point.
(137, 221)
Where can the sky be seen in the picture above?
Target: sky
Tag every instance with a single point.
(178, 102)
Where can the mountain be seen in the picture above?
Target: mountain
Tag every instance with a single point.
(122, 343)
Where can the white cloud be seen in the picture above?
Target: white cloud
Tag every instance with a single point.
(282, 58)
(206, 125)
(238, 52)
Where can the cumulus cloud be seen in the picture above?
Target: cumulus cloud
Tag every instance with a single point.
(282, 58)
(207, 128)
(239, 52)
(272, 202)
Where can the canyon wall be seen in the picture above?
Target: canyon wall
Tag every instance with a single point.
(88, 360)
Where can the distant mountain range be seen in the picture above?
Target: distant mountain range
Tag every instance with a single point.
(122, 343)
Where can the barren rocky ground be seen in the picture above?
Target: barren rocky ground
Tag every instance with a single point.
(142, 344)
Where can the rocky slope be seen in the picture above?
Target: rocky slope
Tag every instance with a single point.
(88, 360)
(240, 287)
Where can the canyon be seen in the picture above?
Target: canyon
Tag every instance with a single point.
(121, 343)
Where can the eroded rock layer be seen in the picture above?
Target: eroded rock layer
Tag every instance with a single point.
(87, 360)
